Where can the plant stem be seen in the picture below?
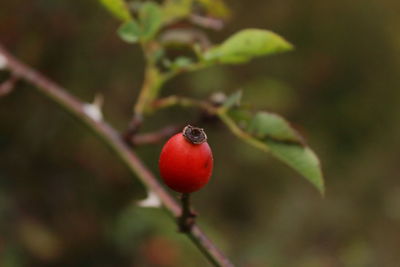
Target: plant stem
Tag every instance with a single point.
(234, 128)
(151, 85)
(153, 81)
(187, 218)
(155, 137)
(174, 100)
(112, 139)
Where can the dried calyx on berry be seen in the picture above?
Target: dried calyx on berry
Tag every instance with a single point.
(194, 135)
(186, 161)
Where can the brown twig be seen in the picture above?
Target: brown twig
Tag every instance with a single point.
(110, 137)
(133, 128)
(188, 36)
(206, 22)
(184, 102)
(155, 137)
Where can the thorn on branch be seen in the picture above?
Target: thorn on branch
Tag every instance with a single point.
(8, 86)
(151, 201)
(93, 110)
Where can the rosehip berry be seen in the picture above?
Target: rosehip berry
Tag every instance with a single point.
(186, 160)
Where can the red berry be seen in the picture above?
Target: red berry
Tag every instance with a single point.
(186, 161)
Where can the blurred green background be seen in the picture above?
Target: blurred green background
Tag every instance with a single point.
(66, 201)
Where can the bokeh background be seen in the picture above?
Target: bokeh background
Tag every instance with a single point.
(65, 200)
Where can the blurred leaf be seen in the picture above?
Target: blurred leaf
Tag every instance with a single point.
(181, 63)
(150, 16)
(216, 8)
(176, 9)
(118, 8)
(150, 21)
(271, 133)
(266, 124)
(242, 117)
(134, 223)
(233, 100)
(39, 240)
(246, 45)
(12, 256)
(179, 9)
(130, 32)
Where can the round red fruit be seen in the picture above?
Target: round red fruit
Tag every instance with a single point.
(186, 161)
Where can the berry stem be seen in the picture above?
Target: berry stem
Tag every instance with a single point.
(187, 218)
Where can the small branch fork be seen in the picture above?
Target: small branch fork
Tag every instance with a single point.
(105, 132)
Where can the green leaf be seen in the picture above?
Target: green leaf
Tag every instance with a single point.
(181, 63)
(130, 32)
(150, 21)
(266, 124)
(150, 16)
(118, 8)
(272, 134)
(246, 45)
(233, 100)
(300, 158)
(242, 117)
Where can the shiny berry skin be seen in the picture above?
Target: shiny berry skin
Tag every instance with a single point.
(186, 161)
